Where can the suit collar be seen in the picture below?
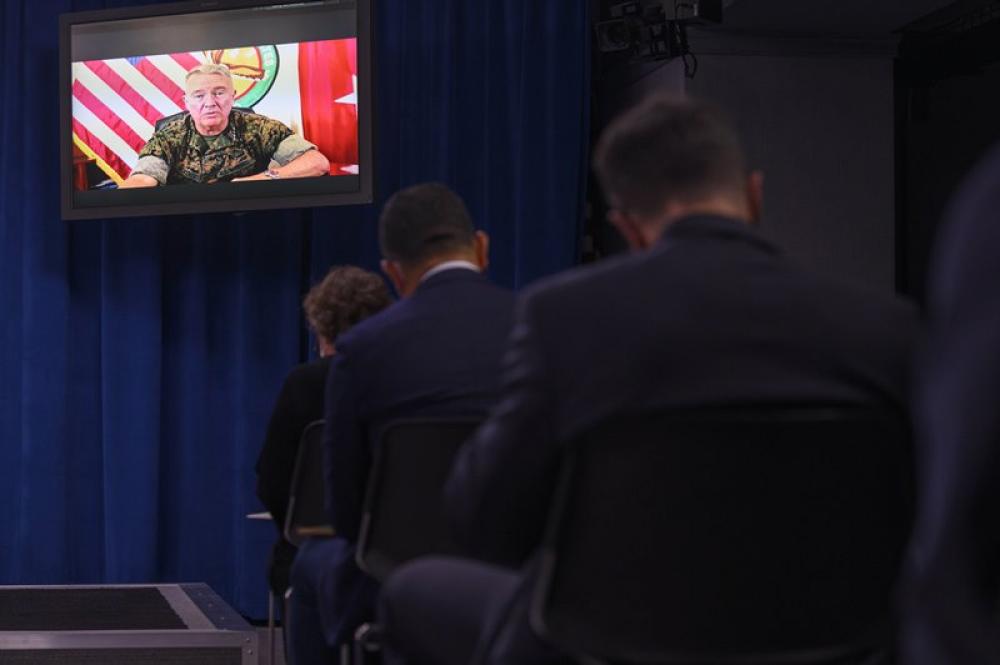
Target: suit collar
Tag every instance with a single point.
(449, 276)
(714, 226)
(448, 265)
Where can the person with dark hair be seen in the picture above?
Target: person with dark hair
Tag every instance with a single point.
(704, 311)
(343, 298)
(952, 584)
(435, 353)
(422, 223)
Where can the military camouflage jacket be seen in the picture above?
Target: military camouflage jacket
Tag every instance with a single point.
(177, 153)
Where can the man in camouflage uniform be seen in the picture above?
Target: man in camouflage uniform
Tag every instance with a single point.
(214, 142)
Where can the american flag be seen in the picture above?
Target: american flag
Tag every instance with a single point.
(116, 104)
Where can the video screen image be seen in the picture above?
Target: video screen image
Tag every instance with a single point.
(143, 121)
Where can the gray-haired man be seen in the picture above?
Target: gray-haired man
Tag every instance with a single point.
(212, 142)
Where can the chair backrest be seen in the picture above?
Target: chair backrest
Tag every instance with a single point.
(404, 512)
(727, 535)
(306, 514)
(164, 120)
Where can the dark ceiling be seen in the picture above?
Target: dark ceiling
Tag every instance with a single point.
(828, 18)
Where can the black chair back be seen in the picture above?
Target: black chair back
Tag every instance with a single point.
(728, 536)
(166, 119)
(404, 513)
(306, 514)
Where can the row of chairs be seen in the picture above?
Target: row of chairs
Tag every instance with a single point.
(403, 516)
(715, 535)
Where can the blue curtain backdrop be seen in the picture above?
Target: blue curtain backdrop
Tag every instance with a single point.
(139, 357)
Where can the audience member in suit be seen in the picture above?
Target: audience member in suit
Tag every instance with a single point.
(436, 352)
(345, 296)
(952, 599)
(704, 311)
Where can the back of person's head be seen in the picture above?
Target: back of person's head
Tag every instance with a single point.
(346, 295)
(669, 149)
(425, 222)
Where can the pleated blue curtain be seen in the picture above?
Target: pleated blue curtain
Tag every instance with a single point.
(491, 97)
(139, 358)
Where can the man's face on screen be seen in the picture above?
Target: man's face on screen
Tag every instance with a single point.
(209, 98)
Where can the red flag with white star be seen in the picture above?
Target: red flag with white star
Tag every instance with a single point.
(328, 81)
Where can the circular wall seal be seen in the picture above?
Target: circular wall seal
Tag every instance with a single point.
(254, 69)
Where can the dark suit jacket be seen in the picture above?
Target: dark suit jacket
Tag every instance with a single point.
(299, 403)
(713, 314)
(953, 581)
(436, 353)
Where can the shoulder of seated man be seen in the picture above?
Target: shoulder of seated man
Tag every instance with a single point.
(371, 332)
(173, 126)
(579, 276)
(250, 120)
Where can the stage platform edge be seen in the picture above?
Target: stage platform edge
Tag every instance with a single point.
(124, 624)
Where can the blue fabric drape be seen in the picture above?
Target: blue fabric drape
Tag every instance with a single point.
(139, 358)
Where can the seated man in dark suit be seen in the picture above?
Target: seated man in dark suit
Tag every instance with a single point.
(346, 295)
(436, 352)
(703, 312)
(952, 599)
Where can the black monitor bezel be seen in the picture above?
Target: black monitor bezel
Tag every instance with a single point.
(245, 196)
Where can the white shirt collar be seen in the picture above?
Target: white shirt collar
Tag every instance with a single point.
(448, 265)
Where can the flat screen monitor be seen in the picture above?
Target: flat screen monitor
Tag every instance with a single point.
(215, 106)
